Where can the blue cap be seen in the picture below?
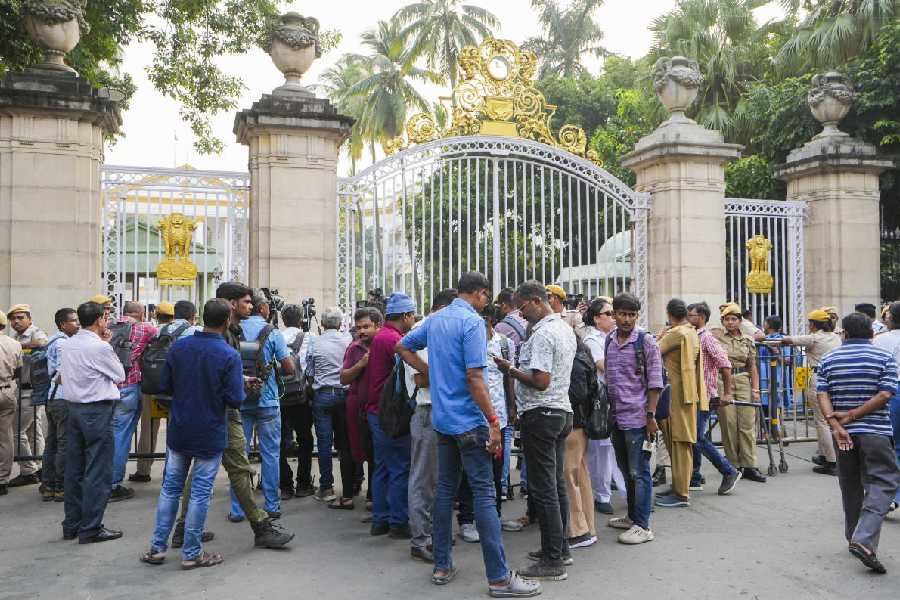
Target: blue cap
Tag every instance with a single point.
(399, 303)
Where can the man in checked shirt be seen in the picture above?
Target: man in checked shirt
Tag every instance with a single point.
(715, 362)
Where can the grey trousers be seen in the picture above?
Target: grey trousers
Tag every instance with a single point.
(423, 470)
(869, 476)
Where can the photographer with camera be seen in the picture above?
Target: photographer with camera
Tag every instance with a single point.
(566, 306)
(296, 410)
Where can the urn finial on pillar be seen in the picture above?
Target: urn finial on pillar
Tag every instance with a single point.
(56, 25)
(293, 45)
(676, 81)
(829, 99)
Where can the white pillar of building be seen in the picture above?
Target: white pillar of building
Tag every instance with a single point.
(682, 165)
(52, 129)
(837, 176)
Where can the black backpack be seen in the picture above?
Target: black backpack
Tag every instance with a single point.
(665, 395)
(295, 385)
(395, 407)
(254, 365)
(121, 343)
(154, 359)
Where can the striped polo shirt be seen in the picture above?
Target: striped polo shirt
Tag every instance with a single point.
(851, 375)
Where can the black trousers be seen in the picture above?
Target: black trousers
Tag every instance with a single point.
(544, 433)
(54, 466)
(296, 418)
(89, 457)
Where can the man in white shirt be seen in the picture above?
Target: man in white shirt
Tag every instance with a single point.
(423, 456)
(90, 372)
(890, 341)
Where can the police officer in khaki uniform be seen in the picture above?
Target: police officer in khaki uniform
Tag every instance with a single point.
(739, 422)
(10, 362)
(817, 344)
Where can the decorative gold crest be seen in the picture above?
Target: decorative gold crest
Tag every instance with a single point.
(177, 268)
(759, 280)
(497, 97)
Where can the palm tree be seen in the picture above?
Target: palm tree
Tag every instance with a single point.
(388, 92)
(569, 34)
(336, 84)
(723, 37)
(440, 29)
(833, 31)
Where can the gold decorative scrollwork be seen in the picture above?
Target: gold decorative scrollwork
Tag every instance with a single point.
(497, 96)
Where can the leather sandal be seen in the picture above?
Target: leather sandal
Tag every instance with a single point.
(204, 560)
(153, 558)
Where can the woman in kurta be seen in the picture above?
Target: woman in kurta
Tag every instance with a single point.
(738, 423)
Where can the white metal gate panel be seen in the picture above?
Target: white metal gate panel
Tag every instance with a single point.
(511, 208)
(781, 222)
(134, 199)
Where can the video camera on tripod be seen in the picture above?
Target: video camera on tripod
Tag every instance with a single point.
(308, 312)
(374, 299)
(276, 304)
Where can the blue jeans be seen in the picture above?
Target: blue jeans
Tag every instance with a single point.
(176, 471)
(508, 435)
(323, 404)
(706, 448)
(634, 463)
(267, 422)
(455, 454)
(895, 421)
(390, 482)
(89, 455)
(125, 420)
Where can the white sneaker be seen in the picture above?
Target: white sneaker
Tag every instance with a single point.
(636, 535)
(511, 525)
(620, 523)
(469, 533)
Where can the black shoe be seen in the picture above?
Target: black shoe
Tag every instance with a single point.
(305, 491)
(287, 493)
(274, 515)
(120, 492)
(70, 535)
(46, 492)
(829, 468)
(537, 555)
(543, 570)
(729, 482)
(753, 474)
(21, 480)
(104, 535)
(423, 554)
(3, 489)
(269, 535)
(659, 476)
(178, 535)
(400, 532)
(379, 529)
(603, 507)
(867, 558)
(139, 478)
(236, 518)
(818, 459)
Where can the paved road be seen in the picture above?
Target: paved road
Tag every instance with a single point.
(781, 540)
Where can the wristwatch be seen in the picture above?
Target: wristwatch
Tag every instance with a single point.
(651, 414)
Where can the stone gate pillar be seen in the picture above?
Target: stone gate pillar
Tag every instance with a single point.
(52, 128)
(683, 166)
(293, 139)
(837, 176)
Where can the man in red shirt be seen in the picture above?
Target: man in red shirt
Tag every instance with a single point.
(390, 480)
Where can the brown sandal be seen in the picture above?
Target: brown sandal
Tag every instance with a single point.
(153, 558)
(204, 560)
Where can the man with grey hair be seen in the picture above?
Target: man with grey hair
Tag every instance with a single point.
(324, 360)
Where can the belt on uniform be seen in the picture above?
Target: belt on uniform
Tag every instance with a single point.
(739, 370)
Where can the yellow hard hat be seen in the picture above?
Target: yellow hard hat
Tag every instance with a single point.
(101, 299)
(818, 315)
(556, 291)
(165, 308)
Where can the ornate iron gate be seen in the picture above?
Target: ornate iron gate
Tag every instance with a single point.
(136, 199)
(781, 223)
(513, 209)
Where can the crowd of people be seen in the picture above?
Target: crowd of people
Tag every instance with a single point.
(429, 409)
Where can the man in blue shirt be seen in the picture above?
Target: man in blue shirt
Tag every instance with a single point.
(263, 411)
(855, 383)
(468, 429)
(203, 375)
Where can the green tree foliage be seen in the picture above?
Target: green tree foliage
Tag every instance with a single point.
(750, 177)
(337, 83)
(440, 29)
(569, 34)
(187, 37)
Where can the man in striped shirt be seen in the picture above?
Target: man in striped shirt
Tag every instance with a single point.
(855, 383)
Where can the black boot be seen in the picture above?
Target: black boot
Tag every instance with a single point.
(269, 535)
(659, 476)
(829, 468)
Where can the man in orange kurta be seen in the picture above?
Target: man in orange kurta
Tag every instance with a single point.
(680, 347)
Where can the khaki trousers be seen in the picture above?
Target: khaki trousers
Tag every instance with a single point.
(30, 435)
(578, 485)
(682, 458)
(7, 432)
(149, 430)
(823, 431)
(738, 425)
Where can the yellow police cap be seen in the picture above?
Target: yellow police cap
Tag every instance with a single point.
(731, 308)
(818, 315)
(165, 308)
(831, 310)
(101, 299)
(2, 319)
(556, 291)
(25, 308)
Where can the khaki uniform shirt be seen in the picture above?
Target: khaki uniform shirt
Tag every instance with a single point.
(740, 351)
(817, 345)
(10, 360)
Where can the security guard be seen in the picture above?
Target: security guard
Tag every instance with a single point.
(817, 344)
(10, 363)
(739, 422)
